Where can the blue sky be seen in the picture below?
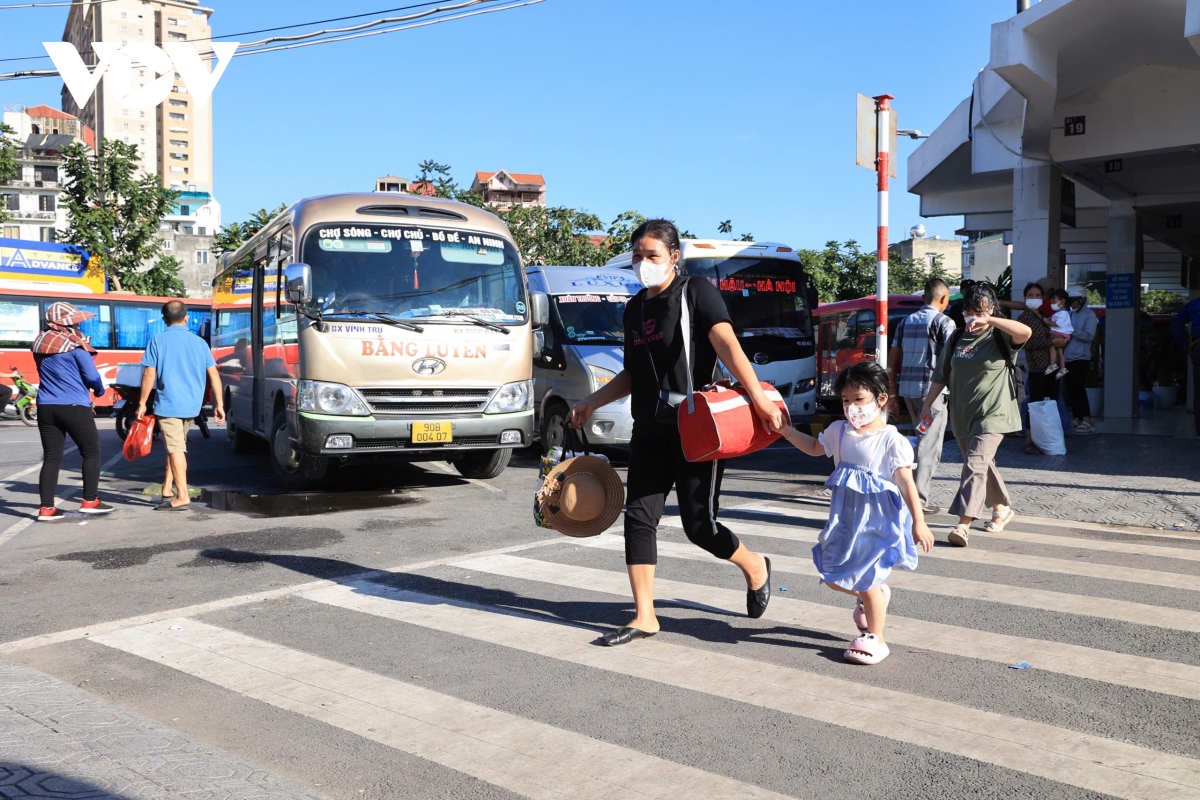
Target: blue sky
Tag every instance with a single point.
(698, 110)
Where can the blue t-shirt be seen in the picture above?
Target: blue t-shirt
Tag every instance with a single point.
(180, 359)
(64, 378)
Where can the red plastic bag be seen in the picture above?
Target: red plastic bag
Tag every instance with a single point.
(723, 423)
(141, 436)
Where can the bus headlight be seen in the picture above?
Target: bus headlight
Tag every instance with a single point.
(512, 397)
(600, 375)
(329, 398)
(805, 385)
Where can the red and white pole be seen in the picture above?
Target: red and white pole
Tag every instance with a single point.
(883, 166)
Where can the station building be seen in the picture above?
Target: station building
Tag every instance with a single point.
(1079, 145)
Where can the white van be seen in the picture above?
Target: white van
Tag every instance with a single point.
(584, 349)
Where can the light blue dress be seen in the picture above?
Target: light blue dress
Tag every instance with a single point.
(869, 529)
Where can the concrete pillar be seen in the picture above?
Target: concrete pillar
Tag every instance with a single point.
(1122, 335)
(1037, 220)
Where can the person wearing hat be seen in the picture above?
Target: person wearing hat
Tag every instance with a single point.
(1079, 359)
(655, 378)
(67, 373)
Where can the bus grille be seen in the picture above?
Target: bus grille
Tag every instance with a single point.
(424, 401)
(405, 444)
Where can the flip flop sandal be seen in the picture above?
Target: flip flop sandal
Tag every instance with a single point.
(960, 535)
(1032, 450)
(994, 525)
(860, 613)
(866, 649)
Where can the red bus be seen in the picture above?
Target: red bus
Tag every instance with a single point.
(846, 335)
(123, 324)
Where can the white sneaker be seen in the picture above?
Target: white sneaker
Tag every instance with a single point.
(1050, 370)
(1062, 373)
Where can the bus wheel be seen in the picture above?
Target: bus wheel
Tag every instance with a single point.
(240, 442)
(485, 464)
(29, 414)
(554, 426)
(292, 467)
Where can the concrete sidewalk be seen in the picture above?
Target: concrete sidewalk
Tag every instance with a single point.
(1143, 481)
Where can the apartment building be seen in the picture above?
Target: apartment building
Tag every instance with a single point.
(173, 140)
(31, 199)
(507, 189)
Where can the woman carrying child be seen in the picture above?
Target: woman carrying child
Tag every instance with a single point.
(875, 516)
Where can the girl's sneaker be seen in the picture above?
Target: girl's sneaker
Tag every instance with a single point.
(1050, 370)
(50, 515)
(1062, 373)
(94, 507)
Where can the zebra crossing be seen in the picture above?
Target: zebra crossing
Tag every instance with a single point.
(946, 698)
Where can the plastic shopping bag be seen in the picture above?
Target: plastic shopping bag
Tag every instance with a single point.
(141, 436)
(1046, 426)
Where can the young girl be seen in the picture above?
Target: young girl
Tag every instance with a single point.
(874, 506)
(1060, 332)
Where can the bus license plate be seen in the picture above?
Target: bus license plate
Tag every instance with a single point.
(431, 433)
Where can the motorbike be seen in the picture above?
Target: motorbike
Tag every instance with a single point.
(128, 388)
(26, 399)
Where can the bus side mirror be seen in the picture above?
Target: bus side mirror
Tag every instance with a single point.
(297, 279)
(539, 345)
(539, 309)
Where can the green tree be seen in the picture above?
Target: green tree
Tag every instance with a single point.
(555, 235)
(161, 280)
(235, 234)
(842, 271)
(9, 168)
(114, 213)
(908, 275)
(726, 227)
(1160, 301)
(620, 232)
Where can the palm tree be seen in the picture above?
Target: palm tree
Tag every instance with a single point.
(726, 226)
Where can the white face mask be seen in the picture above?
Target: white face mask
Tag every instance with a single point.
(861, 416)
(968, 320)
(650, 274)
(1056, 306)
(1034, 303)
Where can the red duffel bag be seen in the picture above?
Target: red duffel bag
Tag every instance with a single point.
(719, 422)
(141, 436)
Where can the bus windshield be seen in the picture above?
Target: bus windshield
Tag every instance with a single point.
(594, 319)
(413, 272)
(765, 296)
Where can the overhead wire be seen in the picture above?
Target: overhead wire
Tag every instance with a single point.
(50, 5)
(353, 32)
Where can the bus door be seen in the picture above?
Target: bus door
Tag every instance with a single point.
(261, 424)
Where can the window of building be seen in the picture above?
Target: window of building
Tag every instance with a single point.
(202, 231)
(45, 174)
(179, 89)
(179, 156)
(48, 234)
(178, 143)
(168, 244)
(185, 211)
(124, 124)
(11, 232)
(179, 170)
(142, 114)
(12, 202)
(175, 115)
(179, 103)
(177, 35)
(46, 202)
(124, 27)
(37, 129)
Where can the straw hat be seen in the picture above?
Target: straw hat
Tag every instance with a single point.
(582, 496)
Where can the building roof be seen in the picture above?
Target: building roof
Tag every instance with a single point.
(424, 188)
(53, 142)
(519, 177)
(48, 112)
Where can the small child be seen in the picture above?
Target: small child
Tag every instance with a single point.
(1060, 333)
(875, 513)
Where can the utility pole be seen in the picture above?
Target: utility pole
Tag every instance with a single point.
(883, 166)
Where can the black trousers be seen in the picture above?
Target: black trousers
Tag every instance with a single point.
(1195, 353)
(1076, 382)
(656, 463)
(1040, 386)
(54, 424)
(6, 395)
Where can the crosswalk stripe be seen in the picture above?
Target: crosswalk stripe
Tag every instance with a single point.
(820, 514)
(1149, 674)
(524, 756)
(1078, 759)
(992, 558)
(1059, 602)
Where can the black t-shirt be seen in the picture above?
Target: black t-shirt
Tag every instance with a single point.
(666, 345)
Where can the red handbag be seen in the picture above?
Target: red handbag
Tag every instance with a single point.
(720, 422)
(140, 438)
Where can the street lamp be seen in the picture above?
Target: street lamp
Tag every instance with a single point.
(912, 133)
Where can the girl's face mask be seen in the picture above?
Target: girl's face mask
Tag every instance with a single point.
(862, 415)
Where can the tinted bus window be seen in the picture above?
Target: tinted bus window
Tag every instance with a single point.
(136, 324)
(99, 327)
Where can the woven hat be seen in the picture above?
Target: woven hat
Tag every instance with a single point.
(582, 496)
(66, 314)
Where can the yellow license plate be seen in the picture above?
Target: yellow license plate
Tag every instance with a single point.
(431, 433)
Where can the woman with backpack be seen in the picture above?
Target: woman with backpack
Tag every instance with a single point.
(978, 364)
(659, 336)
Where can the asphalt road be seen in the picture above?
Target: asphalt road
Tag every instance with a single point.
(412, 634)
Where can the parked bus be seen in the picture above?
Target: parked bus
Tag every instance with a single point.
(369, 327)
(119, 331)
(846, 336)
(584, 348)
(769, 302)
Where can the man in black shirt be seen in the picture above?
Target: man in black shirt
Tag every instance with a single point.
(656, 376)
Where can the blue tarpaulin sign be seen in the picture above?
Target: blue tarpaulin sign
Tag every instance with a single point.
(1120, 291)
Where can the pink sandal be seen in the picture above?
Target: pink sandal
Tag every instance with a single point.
(866, 649)
(860, 613)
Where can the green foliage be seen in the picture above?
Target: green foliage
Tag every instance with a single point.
(1095, 298)
(842, 271)
(725, 227)
(620, 232)
(908, 275)
(554, 235)
(235, 234)
(114, 212)
(1002, 286)
(9, 168)
(1160, 301)
(161, 280)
